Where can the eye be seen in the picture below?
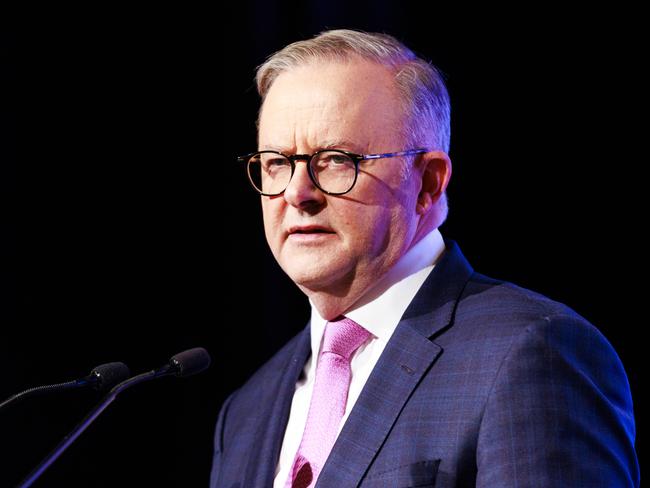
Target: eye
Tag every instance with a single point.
(276, 162)
(338, 159)
(333, 160)
(273, 163)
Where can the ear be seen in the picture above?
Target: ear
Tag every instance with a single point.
(435, 171)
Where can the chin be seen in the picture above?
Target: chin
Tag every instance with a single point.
(312, 273)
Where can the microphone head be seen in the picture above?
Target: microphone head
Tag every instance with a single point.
(105, 376)
(190, 362)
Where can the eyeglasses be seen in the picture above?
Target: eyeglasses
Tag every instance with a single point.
(333, 171)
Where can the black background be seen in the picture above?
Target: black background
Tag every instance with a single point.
(132, 234)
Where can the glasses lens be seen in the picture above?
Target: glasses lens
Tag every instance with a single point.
(269, 172)
(334, 171)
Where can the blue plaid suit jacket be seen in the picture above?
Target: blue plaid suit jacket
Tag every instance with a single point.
(482, 384)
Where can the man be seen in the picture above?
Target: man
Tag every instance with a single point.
(414, 370)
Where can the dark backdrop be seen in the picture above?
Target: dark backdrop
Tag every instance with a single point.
(132, 234)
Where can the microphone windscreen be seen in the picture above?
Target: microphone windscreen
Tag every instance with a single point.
(191, 362)
(110, 374)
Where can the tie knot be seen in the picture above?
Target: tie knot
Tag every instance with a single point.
(343, 337)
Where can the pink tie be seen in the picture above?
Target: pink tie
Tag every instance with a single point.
(328, 400)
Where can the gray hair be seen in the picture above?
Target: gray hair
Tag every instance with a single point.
(424, 97)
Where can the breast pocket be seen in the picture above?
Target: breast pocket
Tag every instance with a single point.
(420, 474)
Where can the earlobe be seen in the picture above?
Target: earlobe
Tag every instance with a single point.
(424, 203)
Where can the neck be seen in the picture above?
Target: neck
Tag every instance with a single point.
(337, 300)
(332, 303)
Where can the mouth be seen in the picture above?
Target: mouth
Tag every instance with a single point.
(309, 232)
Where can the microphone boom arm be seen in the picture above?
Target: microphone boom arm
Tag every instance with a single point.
(83, 425)
(183, 364)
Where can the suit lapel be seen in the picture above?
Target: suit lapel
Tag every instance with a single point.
(407, 357)
(273, 421)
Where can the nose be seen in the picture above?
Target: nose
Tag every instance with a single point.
(301, 192)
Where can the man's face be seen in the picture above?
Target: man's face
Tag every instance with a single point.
(338, 244)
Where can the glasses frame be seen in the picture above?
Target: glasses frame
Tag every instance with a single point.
(308, 158)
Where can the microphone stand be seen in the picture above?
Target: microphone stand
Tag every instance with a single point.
(94, 413)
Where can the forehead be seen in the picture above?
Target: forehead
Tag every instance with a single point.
(326, 100)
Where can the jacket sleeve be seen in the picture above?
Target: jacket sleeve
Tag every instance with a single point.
(559, 413)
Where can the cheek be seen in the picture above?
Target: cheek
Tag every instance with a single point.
(383, 225)
(271, 216)
(367, 227)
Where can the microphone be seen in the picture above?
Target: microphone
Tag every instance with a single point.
(188, 363)
(102, 377)
(182, 365)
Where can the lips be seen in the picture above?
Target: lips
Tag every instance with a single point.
(307, 230)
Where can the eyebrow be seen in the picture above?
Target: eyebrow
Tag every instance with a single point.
(341, 143)
(327, 144)
(271, 147)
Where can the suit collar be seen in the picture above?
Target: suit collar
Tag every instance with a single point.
(433, 306)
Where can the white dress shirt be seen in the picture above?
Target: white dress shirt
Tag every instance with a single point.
(379, 312)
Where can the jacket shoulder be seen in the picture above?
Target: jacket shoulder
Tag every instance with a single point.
(507, 306)
(495, 314)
